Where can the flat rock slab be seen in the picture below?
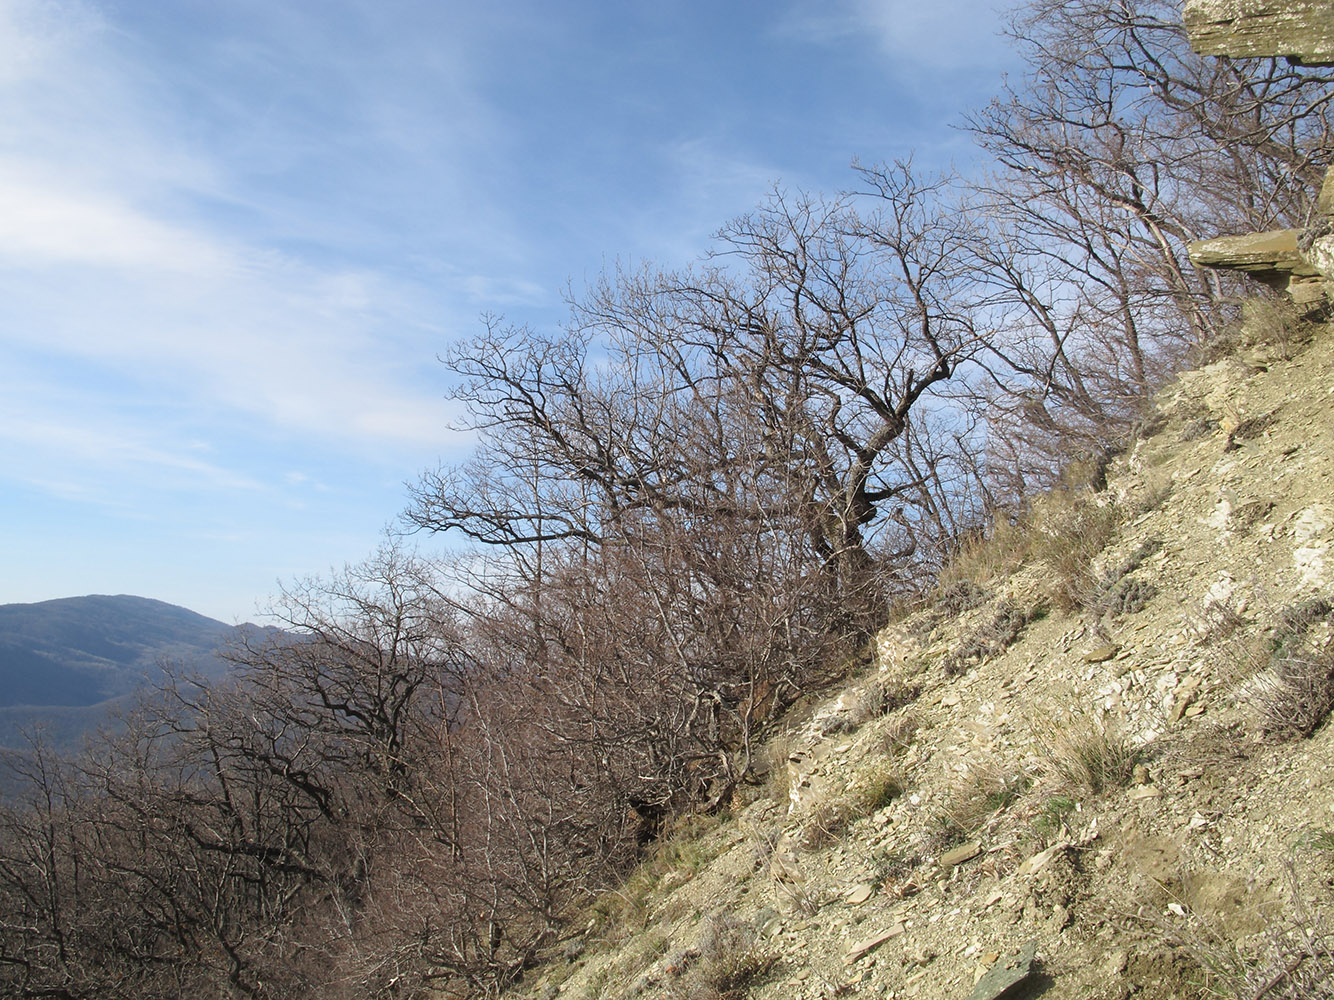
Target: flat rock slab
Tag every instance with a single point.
(874, 941)
(860, 894)
(1040, 860)
(1272, 251)
(1302, 29)
(1006, 974)
(960, 854)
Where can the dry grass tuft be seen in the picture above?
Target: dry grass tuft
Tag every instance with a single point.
(898, 734)
(683, 850)
(1084, 754)
(1063, 532)
(981, 558)
(726, 963)
(873, 789)
(1070, 529)
(800, 895)
(1213, 748)
(1275, 322)
(975, 797)
(773, 767)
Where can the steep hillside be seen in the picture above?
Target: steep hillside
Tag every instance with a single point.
(1094, 767)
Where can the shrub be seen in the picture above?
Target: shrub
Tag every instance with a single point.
(880, 697)
(959, 596)
(1296, 620)
(994, 637)
(1128, 597)
(729, 961)
(1291, 672)
(1298, 693)
(1117, 593)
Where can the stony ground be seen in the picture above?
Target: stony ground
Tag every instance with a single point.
(1055, 775)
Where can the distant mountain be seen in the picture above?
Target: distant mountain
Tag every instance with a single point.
(65, 663)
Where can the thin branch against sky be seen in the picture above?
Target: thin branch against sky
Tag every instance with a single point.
(234, 237)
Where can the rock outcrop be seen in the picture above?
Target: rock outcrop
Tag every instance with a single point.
(1302, 30)
(1298, 261)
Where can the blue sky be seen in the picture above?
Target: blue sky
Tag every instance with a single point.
(235, 234)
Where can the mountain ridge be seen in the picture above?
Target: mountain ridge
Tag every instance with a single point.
(66, 663)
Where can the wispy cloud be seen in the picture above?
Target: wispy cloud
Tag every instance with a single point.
(942, 35)
(90, 452)
(106, 261)
(45, 222)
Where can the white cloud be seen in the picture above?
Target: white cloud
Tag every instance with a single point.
(919, 36)
(44, 222)
(111, 260)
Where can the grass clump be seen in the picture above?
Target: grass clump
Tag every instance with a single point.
(677, 857)
(878, 787)
(1085, 755)
(985, 791)
(727, 962)
(1276, 323)
(981, 557)
(1318, 840)
(872, 790)
(898, 734)
(1070, 529)
(1062, 532)
(1052, 815)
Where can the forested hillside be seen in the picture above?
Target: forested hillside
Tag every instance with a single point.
(692, 508)
(64, 663)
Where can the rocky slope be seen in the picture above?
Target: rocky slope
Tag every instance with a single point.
(1083, 771)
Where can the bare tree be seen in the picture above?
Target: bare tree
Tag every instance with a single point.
(688, 496)
(1118, 147)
